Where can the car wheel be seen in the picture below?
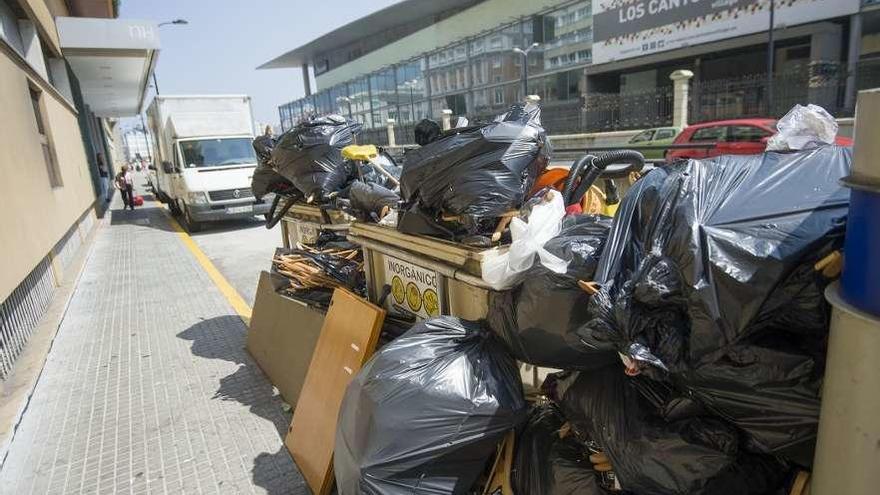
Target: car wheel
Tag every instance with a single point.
(191, 224)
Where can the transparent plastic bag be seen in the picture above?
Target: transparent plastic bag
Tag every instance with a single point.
(803, 127)
(544, 223)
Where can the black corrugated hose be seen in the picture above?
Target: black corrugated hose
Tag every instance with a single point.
(595, 165)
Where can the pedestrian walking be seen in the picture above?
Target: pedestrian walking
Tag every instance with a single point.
(125, 183)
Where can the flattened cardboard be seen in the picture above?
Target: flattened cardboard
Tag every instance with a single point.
(282, 336)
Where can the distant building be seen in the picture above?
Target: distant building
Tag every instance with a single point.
(136, 144)
(601, 64)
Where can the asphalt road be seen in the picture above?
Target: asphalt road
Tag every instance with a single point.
(240, 249)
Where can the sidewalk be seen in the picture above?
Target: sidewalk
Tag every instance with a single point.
(148, 387)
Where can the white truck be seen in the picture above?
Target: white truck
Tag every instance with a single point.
(204, 157)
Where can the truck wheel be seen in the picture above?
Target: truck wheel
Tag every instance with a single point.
(191, 225)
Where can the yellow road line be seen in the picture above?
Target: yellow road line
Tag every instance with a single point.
(231, 295)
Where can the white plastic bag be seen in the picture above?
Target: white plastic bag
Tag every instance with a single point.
(544, 223)
(803, 127)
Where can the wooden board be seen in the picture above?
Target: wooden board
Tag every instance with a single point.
(348, 338)
(282, 336)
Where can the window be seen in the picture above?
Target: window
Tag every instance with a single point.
(746, 133)
(665, 134)
(499, 96)
(496, 62)
(45, 138)
(643, 136)
(710, 134)
(218, 152)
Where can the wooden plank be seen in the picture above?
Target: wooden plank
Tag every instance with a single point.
(348, 338)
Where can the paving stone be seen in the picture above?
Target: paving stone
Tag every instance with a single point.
(148, 387)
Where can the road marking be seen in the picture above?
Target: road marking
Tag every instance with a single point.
(231, 295)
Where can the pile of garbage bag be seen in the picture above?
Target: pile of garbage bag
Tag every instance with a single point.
(549, 460)
(657, 445)
(708, 280)
(310, 155)
(265, 179)
(426, 413)
(473, 174)
(538, 319)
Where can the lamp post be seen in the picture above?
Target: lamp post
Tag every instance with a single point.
(525, 66)
(347, 100)
(770, 56)
(412, 106)
(175, 21)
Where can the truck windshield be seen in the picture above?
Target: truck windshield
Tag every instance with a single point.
(217, 152)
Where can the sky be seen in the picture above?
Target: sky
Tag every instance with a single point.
(219, 50)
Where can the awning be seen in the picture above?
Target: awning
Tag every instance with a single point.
(112, 59)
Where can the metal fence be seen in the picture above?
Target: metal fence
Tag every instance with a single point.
(21, 312)
(622, 111)
(823, 84)
(741, 97)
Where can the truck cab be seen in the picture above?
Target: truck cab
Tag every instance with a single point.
(206, 158)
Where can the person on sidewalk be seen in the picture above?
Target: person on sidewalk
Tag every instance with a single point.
(125, 183)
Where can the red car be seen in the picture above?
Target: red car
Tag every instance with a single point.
(730, 137)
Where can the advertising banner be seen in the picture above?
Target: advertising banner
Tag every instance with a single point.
(630, 28)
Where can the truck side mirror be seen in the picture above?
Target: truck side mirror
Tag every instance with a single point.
(168, 168)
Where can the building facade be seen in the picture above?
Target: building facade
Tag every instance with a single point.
(58, 88)
(464, 61)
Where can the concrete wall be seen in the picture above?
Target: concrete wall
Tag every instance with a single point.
(467, 23)
(35, 216)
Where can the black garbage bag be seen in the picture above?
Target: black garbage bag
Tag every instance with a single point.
(538, 319)
(426, 131)
(545, 464)
(707, 254)
(651, 455)
(310, 155)
(770, 394)
(367, 200)
(371, 174)
(478, 172)
(426, 413)
(265, 178)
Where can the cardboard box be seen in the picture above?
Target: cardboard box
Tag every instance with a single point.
(282, 336)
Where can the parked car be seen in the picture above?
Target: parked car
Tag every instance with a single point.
(658, 136)
(730, 137)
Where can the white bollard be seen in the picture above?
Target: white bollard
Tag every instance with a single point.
(680, 87)
(391, 140)
(447, 119)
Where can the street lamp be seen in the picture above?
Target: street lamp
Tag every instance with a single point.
(347, 100)
(770, 55)
(175, 21)
(412, 107)
(525, 65)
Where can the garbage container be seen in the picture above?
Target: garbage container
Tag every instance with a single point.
(302, 223)
(426, 277)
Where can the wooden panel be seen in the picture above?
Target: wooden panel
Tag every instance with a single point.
(348, 338)
(282, 336)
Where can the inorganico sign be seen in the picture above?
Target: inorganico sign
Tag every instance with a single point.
(629, 28)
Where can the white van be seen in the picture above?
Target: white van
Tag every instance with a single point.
(205, 157)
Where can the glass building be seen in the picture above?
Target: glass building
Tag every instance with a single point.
(475, 76)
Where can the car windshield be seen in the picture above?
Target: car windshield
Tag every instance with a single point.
(218, 152)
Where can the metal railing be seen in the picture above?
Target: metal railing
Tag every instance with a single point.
(21, 312)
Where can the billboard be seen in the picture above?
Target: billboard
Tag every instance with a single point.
(630, 28)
